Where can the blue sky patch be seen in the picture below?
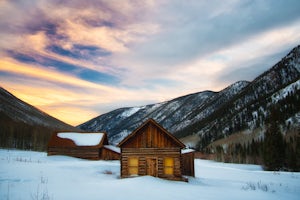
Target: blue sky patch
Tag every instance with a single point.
(61, 51)
(21, 57)
(79, 51)
(79, 71)
(98, 77)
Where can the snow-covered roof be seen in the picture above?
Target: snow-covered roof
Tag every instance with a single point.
(113, 148)
(83, 139)
(184, 151)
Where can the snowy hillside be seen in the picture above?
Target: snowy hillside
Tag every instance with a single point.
(33, 175)
(121, 122)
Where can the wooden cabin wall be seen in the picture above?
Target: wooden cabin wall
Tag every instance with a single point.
(151, 153)
(78, 152)
(107, 154)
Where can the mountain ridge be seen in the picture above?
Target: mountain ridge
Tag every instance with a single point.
(210, 115)
(24, 126)
(33, 115)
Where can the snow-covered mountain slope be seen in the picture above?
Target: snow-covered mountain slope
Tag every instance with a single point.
(250, 108)
(119, 123)
(31, 175)
(213, 115)
(24, 126)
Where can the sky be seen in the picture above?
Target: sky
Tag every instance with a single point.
(78, 59)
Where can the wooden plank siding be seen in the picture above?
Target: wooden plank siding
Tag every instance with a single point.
(150, 136)
(77, 152)
(188, 164)
(107, 154)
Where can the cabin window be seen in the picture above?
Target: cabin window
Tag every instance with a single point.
(169, 166)
(133, 166)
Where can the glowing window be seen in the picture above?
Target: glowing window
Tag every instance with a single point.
(169, 166)
(133, 166)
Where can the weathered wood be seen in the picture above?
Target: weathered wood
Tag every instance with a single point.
(150, 135)
(86, 153)
(188, 164)
(150, 151)
(108, 154)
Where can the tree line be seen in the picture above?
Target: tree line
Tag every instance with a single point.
(19, 135)
(274, 151)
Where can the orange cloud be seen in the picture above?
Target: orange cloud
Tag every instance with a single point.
(11, 66)
(43, 88)
(51, 92)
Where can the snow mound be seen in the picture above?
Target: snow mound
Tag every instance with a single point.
(83, 139)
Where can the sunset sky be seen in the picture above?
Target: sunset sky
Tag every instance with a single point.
(78, 59)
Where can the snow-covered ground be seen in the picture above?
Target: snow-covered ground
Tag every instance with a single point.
(33, 175)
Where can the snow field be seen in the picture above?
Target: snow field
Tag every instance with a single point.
(33, 175)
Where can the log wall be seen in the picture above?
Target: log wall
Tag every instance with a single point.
(78, 152)
(157, 154)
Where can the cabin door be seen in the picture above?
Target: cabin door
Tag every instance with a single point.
(152, 167)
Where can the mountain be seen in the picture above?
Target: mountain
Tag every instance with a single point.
(24, 126)
(206, 117)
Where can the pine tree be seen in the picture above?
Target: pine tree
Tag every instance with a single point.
(291, 157)
(273, 144)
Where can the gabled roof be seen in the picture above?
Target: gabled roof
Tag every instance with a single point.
(151, 121)
(74, 139)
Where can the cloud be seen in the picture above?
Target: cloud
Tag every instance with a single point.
(195, 31)
(93, 56)
(65, 96)
(55, 93)
(248, 59)
(79, 51)
(80, 71)
(83, 34)
(10, 66)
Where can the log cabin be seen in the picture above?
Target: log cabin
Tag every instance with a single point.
(152, 150)
(93, 146)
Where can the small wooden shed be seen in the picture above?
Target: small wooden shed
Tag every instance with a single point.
(92, 146)
(187, 158)
(110, 152)
(152, 150)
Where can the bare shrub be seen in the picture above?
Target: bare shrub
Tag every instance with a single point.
(256, 186)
